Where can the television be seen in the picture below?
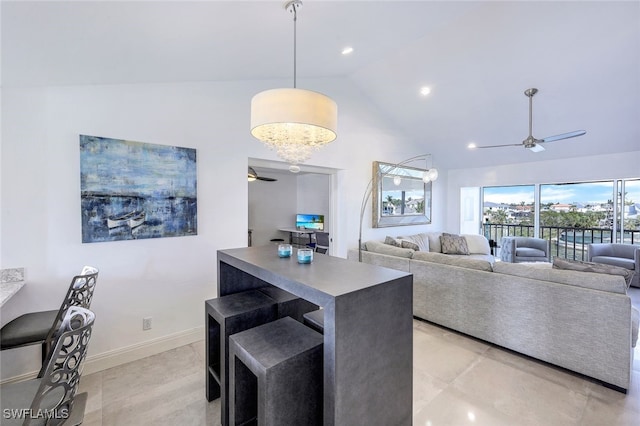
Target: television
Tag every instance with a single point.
(310, 221)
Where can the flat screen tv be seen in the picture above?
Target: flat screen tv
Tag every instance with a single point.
(310, 221)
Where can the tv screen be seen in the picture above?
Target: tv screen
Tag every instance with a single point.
(310, 221)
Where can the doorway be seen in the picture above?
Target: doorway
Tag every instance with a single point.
(277, 196)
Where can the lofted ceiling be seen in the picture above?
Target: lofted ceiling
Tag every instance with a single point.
(477, 57)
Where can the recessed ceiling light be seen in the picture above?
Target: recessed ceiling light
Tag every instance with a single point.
(472, 146)
(347, 50)
(424, 91)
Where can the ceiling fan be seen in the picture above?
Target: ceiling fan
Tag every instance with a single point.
(253, 175)
(530, 142)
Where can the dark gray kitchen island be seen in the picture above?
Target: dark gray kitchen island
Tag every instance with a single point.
(368, 331)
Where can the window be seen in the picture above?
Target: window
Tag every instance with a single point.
(570, 215)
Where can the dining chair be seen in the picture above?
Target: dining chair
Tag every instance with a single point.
(52, 399)
(40, 327)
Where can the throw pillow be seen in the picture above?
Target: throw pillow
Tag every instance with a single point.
(409, 245)
(453, 244)
(599, 268)
(420, 239)
(392, 242)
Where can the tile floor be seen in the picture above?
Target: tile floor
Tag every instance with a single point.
(457, 381)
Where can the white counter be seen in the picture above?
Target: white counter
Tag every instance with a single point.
(7, 290)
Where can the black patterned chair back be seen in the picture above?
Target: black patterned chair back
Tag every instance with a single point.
(80, 294)
(59, 383)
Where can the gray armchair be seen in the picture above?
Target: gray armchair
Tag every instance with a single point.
(524, 249)
(624, 255)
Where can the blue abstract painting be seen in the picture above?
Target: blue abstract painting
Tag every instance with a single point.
(134, 190)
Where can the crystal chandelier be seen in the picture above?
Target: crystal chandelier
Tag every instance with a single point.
(293, 122)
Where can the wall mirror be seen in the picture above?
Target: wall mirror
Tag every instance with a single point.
(400, 196)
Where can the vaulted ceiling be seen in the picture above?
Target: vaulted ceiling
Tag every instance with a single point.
(477, 57)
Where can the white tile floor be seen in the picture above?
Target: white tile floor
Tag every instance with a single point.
(457, 381)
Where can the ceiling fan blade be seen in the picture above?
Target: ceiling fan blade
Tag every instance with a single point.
(563, 136)
(497, 146)
(253, 175)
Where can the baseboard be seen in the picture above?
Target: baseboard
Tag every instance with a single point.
(127, 354)
(141, 350)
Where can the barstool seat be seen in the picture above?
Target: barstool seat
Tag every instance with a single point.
(315, 320)
(225, 316)
(276, 375)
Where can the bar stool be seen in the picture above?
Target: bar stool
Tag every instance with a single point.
(225, 316)
(315, 320)
(289, 305)
(276, 375)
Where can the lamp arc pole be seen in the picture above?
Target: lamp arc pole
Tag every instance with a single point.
(369, 190)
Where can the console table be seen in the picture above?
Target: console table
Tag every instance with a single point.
(368, 328)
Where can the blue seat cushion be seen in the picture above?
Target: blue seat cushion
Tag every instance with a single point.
(529, 252)
(622, 262)
(27, 329)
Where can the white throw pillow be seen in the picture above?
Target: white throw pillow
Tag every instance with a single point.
(477, 244)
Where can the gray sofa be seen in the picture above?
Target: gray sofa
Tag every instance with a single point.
(581, 321)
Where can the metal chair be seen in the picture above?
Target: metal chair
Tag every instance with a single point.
(322, 242)
(52, 399)
(41, 327)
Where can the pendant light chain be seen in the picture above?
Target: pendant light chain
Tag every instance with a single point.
(295, 21)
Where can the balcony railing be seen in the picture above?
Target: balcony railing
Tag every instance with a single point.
(566, 242)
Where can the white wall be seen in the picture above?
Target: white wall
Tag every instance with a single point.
(167, 279)
(579, 169)
(272, 205)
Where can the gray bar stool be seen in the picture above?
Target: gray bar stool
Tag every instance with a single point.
(276, 375)
(289, 305)
(315, 320)
(225, 316)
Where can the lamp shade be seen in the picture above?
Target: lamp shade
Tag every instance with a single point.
(282, 118)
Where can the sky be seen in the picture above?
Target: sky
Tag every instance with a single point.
(585, 193)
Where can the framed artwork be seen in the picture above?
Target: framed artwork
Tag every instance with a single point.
(400, 196)
(134, 190)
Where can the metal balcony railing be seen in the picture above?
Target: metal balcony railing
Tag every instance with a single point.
(566, 242)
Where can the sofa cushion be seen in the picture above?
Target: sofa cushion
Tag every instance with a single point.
(453, 244)
(477, 244)
(599, 268)
(529, 252)
(382, 248)
(543, 271)
(434, 241)
(461, 261)
(420, 239)
(622, 262)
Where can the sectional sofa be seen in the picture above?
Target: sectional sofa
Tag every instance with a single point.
(581, 321)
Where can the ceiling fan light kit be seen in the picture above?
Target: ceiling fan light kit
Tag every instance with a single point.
(531, 143)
